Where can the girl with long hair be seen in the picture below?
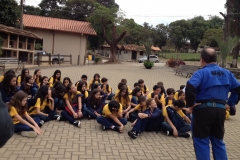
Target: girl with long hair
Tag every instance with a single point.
(44, 81)
(29, 86)
(37, 77)
(23, 123)
(136, 93)
(55, 77)
(95, 80)
(66, 81)
(21, 77)
(59, 101)
(73, 110)
(123, 98)
(8, 87)
(94, 104)
(43, 105)
(82, 88)
(9, 71)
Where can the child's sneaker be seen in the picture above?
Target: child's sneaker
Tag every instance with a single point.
(185, 135)
(57, 117)
(41, 123)
(139, 133)
(167, 132)
(103, 128)
(115, 128)
(29, 134)
(133, 134)
(77, 124)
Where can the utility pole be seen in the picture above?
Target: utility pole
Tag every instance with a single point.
(21, 18)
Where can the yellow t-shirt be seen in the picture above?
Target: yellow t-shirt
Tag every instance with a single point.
(37, 81)
(123, 102)
(142, 88)
(176, 96)
(129, 90)
(86, 94)
(180, 112)
(51, 81)
(107, 112)
(19, 79)
(12, 113)
(92, 81)
(161, 99)
(140, 108)
(72, 96)
(106, 89)
(1, 78)
(32, 110)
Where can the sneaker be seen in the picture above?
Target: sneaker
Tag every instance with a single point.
(89, 117)
(185, 135)
(41, 123)
(167, 133)
(103, 128)
(139, 133)
(115, 128)
(132, 134)
(57, 117)
(29, 134)
(77, 124)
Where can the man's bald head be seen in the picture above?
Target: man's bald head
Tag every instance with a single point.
(209, 55)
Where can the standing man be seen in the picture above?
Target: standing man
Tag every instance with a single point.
(207, 94)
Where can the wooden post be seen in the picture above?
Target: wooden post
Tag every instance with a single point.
(38, 59)
(59, 59)
(70, 59)
(50, 59)
(78, 59)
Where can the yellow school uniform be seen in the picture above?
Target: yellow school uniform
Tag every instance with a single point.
(12, 113)
(33, 109)
(142, 88)
(1, 78)
(180, 112)
(123, 102)
(106, 89)
(107, 112)
(37, 81)
(176, 96)
(72, 96)
(129, 90)
(19, 79)
(51, 81)
(86, 94)
(140, 108)
(96, 82)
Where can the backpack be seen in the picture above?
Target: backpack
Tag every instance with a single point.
(176, 119)
(167, 99)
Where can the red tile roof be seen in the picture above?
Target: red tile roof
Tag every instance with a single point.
(133, 47)
(58, 24)
(155, 48)
(16, 31)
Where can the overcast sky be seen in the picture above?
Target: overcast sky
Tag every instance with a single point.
(164, 11)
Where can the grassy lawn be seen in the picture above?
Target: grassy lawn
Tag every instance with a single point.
(187, 56)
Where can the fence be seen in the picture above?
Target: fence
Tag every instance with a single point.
(53, 59)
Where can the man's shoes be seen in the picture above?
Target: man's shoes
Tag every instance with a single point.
(29, 134)
(185, 135)
(133, 134)
(77, 124)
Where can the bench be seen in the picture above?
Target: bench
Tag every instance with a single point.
(188, 69)
(10, 63)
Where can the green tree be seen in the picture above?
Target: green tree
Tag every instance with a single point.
(178, 32)
(160, 35)
(208, 38)
(226, 47)
(9, 13)
(31, 10)
(215, 22)
(196, 32)
(52, 8)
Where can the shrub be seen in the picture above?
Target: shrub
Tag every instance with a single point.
(148, 64)
(192, 59)
(175, 63)
(97, 59)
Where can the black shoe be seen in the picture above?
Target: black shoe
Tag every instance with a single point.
(77, 124)
(116, 129)
(89, 117)
(185, 135)
(133, 134)
(41, 123)
(104, 128)
(139, 133)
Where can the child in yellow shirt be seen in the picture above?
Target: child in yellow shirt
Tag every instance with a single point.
(55, 78)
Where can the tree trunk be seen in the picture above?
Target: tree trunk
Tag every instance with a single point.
(113, 53)
(235, 53)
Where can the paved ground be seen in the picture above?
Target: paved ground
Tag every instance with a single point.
(64, 141)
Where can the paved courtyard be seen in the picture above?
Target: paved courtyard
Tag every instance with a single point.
(62, 141)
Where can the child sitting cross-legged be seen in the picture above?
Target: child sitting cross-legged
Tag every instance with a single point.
(149, 120)
(112, 117)
(177, 123)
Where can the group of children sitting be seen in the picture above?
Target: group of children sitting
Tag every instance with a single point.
(33, 100)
